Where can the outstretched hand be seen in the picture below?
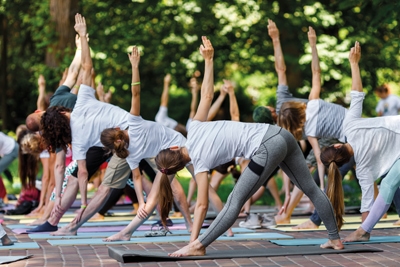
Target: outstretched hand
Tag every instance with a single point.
(134, 57)
(167, 78)
(355, 53)
(312, 37)
(100, 91)
(228, 86)
(80, 25)
(206, 49)
(41, 81)
(273, 30)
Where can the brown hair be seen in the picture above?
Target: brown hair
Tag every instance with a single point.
(292, 117)
(56, 129)
(116, 141)
(384, 88)
(168, 162)
(333, 158)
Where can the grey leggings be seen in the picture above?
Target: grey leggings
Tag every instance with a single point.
(278, 147)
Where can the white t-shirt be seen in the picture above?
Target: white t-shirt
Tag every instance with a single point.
(375, 142)
(44, 154)
(163, 119)
(324, 120)
(213, 143)
(89, 118)
(7, 144)
(147, 138)
(389, 106)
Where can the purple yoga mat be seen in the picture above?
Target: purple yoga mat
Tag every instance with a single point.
(146, 227)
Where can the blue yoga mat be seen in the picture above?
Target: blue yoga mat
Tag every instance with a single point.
(162, 239)
(19, 246)
(319, 241)
(135, 234)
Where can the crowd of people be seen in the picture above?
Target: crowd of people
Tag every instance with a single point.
(79, 137)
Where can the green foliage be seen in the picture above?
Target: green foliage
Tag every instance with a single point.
(168, 33)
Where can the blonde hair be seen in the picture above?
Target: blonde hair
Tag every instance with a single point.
(31, 144)
(292, 117)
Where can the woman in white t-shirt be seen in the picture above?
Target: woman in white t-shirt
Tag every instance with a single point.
(210, 144)
(374, 143)
(8, 152)
(144, 139)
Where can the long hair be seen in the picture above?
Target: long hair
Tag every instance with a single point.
(115, 141)
(168, 162)
(333, 158)
(292, 117)
(56, 130)
(27, 162)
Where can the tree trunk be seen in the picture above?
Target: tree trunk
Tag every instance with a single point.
(62, 14)
(3, 75)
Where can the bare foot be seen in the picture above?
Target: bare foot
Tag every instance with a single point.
(397, 223)
(118, 237)
(306, 225)
(357, 235)
(97, 217)
(282, 219)
(229, 233)
(335, 244)
(193, 249)
(66, 230)
(6, 241)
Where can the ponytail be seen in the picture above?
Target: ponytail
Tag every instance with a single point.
(333, 158)
(115, 141)
(168, 162)
(335, 192)
(165, 198)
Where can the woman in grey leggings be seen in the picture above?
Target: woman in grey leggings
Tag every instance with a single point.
(210, 144)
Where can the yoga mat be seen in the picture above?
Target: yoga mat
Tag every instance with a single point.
(319, 241)
(22, 245)
(161, 239)
(117, 228)
(67, 219)
(125, 256)
(10, 259)
(350, 226)
(347, 219)
(237, 230)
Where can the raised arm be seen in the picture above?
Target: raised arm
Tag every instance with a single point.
(165, 93)
(315, 68)
(216, 105)
(75, 66)
(280, 66)
(41, 105)
(233, 105)
(354, 58)
(87, 65)
(207, 87)
(134, 58)
(194, 88)
(100, 92)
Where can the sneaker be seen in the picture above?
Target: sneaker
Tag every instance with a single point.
(253, 221)
(268, 221)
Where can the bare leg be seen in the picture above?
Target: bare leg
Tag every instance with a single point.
(45, 216)
(66, 201)
(358, 235)
(294, 201)
(273, 188)
(180, 199)
(335, 244)
(95, 204)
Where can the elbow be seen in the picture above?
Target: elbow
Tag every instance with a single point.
(202, 207)
(59, 169)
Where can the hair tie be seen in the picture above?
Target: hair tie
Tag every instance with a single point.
(164, 170)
